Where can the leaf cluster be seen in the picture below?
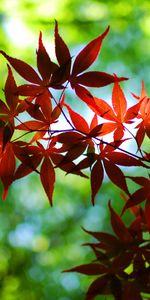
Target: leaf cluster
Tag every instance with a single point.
(81, 146)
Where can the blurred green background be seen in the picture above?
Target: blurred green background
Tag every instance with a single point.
(38, 242)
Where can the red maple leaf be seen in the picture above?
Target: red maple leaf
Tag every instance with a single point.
(118, 115)
(144, 115)
(114, 254)
(83, 61)
(51, 74)
(141, 194)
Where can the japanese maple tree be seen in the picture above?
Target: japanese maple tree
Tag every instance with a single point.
(122, 259)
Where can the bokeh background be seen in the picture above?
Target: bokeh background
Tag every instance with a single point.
(38, 242)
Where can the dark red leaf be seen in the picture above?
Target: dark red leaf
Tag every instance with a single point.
(123, 159)
(89, 269)
(97, 175)
(99, 286)
(140, 134)
(116, 175)
(47, 175)
(31, 126)
(8, 131)
(97, 130)
(11, 91)
(25, 169)
(131, 292)
(61, 49)
(121, 262)
(147, 213)
(7, 168)
(23, 69)
(96, 79)
(88, 55)
(45, 66)
(119, 228)
(137, 197)
(45, 104)
(30, 90)
(140, 180)
(70, 138)
(86, 162)
(66, 165)
(75, 151)
(103, 236)
(34, 110)
(86, 97)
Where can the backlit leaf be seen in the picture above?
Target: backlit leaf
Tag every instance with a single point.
(88, 54)
(47, 175)
(23, 69)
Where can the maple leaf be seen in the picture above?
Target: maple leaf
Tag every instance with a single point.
(118, 114)
(7, 167)
(75, 143)
(140, 194)
(47, 175)
(29, 156)
(108, 159)
(83, 61)
(114, 254)
(51, 74)
(144, 115)
(12, 106)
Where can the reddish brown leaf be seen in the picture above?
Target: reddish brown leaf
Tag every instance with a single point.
(11, 91)
(47, 175)
(89, 269)
(30, 90)
(61, 49)
(45, 104)
(88, 54)
(119, 228)
(137, 197)
(75, 151)
(45, 66)
(85, 96)
(7, 168)
(23, 69)
(123, 159)
(99, 286)
(97, 175)
(66, 165)
(70, 138)
(140, 180)
(147, 213)
(116, 175)
(32, 126)
(25, 169)
(140, 134)
(8, 131)
(34, 110)
(96, 79)
(96, 131)
(103, 236)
